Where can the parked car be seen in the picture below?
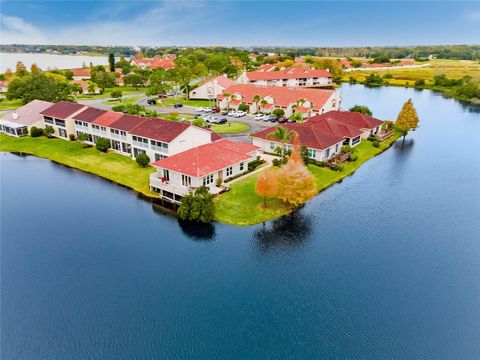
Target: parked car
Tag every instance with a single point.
(282, 120)
(177, 105)
(240, 114)
(224, 112)
(208, 118)
(219, 120)
(259, 117)
(232, 113)
(151, 101)
(215, 110)
(199, 109)
(271, 118)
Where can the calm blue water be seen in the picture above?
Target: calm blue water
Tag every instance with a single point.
(385, 265)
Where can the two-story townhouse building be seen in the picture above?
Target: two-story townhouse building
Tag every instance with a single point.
(271, 75)
(203, 165)
(265, 99)
(60, 117)
(210, 88)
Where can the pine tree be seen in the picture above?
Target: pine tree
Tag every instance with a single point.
(111, 62)
(407, 118)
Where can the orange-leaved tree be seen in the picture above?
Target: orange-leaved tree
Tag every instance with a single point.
(267, 185)
(297, 184)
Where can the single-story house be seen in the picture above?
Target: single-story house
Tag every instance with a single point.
(153, 63)
(211, 88)
(368, 125)
(201, 166)
(81, 73)
(265, 99)
(20, 121)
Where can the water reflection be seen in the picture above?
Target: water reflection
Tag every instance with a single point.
(404, 147)
(289, 231)
(197, 231)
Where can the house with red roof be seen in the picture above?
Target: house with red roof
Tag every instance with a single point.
(154, 63)
(19, 122)
(81, 73)
(203, 165)
(210, 88)
(60, 117)
(272, 75)
(265, 99)
(367, 125)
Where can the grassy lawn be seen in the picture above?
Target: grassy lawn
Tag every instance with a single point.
(118, 168)
(241, 206)
(10, 104)
(107, 94)
(453, 69)
(124, 101)
(230, 128)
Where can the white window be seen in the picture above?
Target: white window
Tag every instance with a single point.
(272, 146)
(336, 148)
(242, 165)
(312, 153)
(186, 180)
(327, 153)
(208, 180)
(229, 171)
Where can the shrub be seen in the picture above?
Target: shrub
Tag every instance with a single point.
(346, 148)
(353, 157)
(36, 132)
(420, 83)
(371, 138)
(252, 165)
(375, 143)
(102, 144)
(197, 206)
(143, 160)
(276, 162)
(278, 113)
(388, 76)
(337, 167)
(219, 182)
(49, 131)
(361, 109)
(198, 122)
(116, 94)
(71, 137)
(82, 137)
(243, 107)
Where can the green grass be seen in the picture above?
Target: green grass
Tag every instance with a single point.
(10, 104)
(124, 101)
(118, 168)
(230, 128)
(107, 94)
(241, 206)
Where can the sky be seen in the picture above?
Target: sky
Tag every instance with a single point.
(240, 23)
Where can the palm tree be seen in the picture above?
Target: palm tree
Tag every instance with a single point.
(256, 100)
(283, 135)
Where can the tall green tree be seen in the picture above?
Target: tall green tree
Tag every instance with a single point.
(407, 118)
(111, 62)
(361, 109)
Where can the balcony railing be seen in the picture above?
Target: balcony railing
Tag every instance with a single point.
(159, 149)
(384, 135)
(140, 144)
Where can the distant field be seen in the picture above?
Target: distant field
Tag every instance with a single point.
(10, 104)
(453, 69)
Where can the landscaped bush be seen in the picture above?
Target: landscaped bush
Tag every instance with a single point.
(36, 132)
(276, 162)
(197, 206)
(375, 143)
(346, 148)
(143, 160)
(278, 113)
(71, 137)
(337, 167)
(219, 182)
(102, 144)
(317, 162)
(49, 131)
(252, 165)
(420, 83)
(353, 157)
(372, 138)
(243, 107)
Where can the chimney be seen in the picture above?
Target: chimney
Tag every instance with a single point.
(14, 115)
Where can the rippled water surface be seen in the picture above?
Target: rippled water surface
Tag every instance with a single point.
(384, 265)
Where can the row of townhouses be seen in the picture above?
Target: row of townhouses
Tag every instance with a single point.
(185, 156)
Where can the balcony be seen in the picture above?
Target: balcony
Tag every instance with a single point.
(159, 149)
(384, 135)
(140, 144)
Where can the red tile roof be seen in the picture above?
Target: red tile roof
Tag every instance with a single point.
(209, 158)
(62, 109)
(108, 118)
(160, 129)
(127, 122)
(287, 73)
(81, 72)
(351, 118)
(312, 136)
(283, 96)
(154, 63)
(89, 114)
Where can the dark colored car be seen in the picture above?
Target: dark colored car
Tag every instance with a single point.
(282, 120)
(224, 112)
(151, 101)
(219, 121)
(178, 105)
(215, 110)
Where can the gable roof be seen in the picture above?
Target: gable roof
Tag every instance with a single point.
(107, 118)
(127, 122)
(312, 136)
(209, 158)
(28, 114)
(62, 109)
(81, 72)
(159, 129)
(154, 63)
(89, 114)
(269, 73)
(351, 118)
(283, 96)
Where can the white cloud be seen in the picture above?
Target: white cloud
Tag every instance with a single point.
(14, 30)
(166, 23)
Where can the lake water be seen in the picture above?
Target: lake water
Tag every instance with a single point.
(385, 265)
(47, 61)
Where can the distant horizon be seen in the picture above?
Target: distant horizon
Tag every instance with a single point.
(207, 23)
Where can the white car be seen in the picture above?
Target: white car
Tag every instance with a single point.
(199, 109)
(208, 118)
(259, 117)
(232, 113)
(240, 114)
